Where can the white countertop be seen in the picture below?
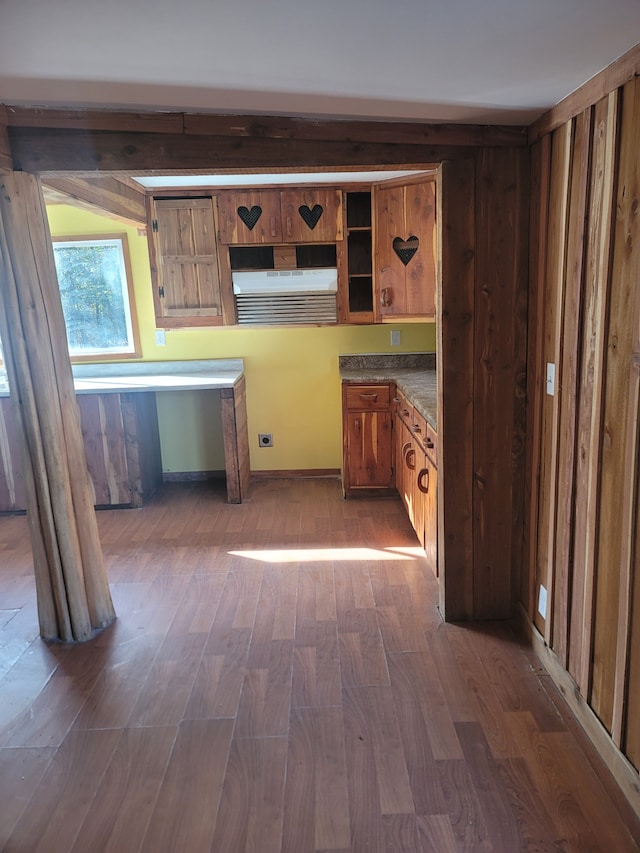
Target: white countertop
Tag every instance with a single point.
(126, 377)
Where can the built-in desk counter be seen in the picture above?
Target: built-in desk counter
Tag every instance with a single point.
(119, 421)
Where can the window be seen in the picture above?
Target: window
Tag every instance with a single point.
(97, 303)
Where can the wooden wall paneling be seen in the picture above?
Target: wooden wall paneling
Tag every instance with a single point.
(611, 571)
(540, 180)
(568, 383)
(455, 221)
(499, 373)
(589, 433)
(554, 298)
(631, 712)
(630, 162)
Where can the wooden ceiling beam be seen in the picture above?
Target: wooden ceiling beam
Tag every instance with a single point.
(107, 196)
(269, 127)
(55, 153)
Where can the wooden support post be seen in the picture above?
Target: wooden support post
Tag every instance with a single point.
(71, 582)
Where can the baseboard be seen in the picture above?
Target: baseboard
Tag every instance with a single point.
(300, 473)
(191, 476)
(623, 772)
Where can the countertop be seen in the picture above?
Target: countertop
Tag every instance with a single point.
(126, 377)
(414, 376)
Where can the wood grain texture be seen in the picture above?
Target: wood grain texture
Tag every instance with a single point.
(552, 354)
(589, 435)
(568, 382)
(216, 712)
(455, 221)
(611, 572)
(499, 377)
(540, 177)
(106, 196)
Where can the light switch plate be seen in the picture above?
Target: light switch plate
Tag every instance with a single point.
(551, 379)
(161, 338)
(395, 337)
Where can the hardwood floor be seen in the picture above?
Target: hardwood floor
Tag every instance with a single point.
(279, 679)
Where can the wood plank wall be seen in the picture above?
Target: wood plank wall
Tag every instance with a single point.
(583, 521)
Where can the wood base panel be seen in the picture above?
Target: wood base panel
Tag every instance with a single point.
(623, 772)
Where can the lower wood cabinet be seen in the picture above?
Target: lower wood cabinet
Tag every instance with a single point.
(367, 439)
(122, 446)
(389, 446)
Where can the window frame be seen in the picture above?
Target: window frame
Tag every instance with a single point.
(120, 237)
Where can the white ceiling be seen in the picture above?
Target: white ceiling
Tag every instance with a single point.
(480, 61)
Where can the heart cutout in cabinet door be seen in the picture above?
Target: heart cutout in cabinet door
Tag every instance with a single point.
(250, 217)
(311, 215)
(405, 249)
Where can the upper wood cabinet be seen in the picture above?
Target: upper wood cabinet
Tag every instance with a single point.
(405, 251)
(184, 260)
(300, 215)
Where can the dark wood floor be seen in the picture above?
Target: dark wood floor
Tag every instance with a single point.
(279, 679)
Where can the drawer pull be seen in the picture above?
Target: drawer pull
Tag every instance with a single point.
(421, 485)
(410, 459)
(416, 428)
(373, 397)
(386, 297)
(430, 443)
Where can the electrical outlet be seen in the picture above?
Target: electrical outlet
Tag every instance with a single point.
(395, 337)
(265, 439)
(551, 379)
(161, 338)
(542, 601)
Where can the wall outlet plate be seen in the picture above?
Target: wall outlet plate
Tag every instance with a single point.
(542, 601)
(551, 379)
(395, 337)
(265, 439)
(161, 338)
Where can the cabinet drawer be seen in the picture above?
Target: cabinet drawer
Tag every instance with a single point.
(363, 398)
(401, 408)
(425, 434)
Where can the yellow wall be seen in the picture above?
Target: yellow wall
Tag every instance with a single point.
(293, 386)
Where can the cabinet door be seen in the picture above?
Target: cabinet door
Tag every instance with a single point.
(405, 251)
(250, 217)
(369, 449)
(105, 448)
(310, 215)
(184, 263)
(427, 483)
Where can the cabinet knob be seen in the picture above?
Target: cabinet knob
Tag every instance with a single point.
(430, 443)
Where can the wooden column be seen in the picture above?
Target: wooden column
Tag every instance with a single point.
(71, 583)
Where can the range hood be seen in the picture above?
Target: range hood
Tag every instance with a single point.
(274, 297)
